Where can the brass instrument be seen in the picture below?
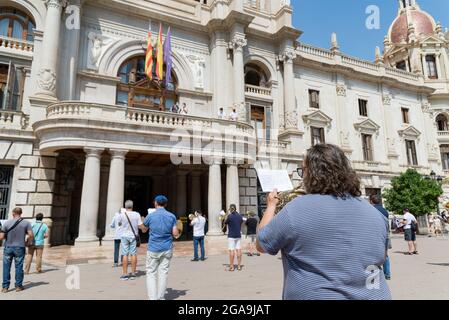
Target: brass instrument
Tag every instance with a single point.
(191, 216)
(286, 197)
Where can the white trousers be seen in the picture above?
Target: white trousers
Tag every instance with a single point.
(157, 267)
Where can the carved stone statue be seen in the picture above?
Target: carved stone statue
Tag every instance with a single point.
(197, 64)
(291, 119)
(97, 44)
(47, 79)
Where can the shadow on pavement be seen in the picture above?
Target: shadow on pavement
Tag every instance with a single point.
(172, 294)
(30, 285)
(439, 264)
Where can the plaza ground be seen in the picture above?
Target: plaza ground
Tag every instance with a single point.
(424, 276)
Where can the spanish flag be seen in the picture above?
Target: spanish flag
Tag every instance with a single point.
(160, 56)
(149, 58)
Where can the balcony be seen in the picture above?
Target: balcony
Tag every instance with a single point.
(258, 92)
(16, 46)
(13, 120)
(73, 124)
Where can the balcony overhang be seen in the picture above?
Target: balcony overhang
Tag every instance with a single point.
(74, 125)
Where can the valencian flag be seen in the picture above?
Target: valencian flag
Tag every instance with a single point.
(160, 56)
(149, 58)
(168, 57)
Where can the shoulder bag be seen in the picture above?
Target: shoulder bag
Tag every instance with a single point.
(12, 228)
(134, 233)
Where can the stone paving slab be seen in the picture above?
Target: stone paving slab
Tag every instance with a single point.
(424, 276)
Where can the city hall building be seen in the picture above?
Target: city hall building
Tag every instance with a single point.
(82, 128)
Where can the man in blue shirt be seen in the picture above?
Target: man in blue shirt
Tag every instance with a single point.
(234, 222)
(162, 226)
(375, 201)
(40, 232)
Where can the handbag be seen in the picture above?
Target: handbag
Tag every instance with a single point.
(138, 242)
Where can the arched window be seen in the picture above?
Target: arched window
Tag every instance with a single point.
(16, 24)
(442, 122)
(255, 76)
(136, 90)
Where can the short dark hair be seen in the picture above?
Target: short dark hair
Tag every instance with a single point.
(374, 198)
(233, 206)
(39, 216)
(17, 210)
(328, 171)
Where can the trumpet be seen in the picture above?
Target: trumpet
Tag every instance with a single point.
(191, 216)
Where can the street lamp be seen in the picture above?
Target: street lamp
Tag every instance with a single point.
(433, 176)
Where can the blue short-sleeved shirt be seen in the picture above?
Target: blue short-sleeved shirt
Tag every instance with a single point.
(234, 223)
(160, 223)
(39, 231)
(332, 248)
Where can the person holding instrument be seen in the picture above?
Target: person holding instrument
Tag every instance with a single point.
(333, 242)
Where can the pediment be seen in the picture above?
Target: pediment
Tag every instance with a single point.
(367, 126)
(432, 39)
(317, 118)
(410, 132)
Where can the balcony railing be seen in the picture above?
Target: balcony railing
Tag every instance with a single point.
(443, 133)
(272, 146)
(13, 120)
(257, 90)
(16, 44)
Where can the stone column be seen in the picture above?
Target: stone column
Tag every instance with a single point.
(49, 59)
(220, 62)
(181, 191)
(116, 189)
(90, 196)
(74, 44)
(232, 186)
(214, 199)
(238, 42)
(196, 191)
(424, 64)
(290, 112)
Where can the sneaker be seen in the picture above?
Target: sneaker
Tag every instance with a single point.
(202, 259)
(115, 265)
(257, 254)
(132, 276)
(4, 290)
(18, 289)
(124, 278)
(194, 260)
(387, 278)
(415, 252)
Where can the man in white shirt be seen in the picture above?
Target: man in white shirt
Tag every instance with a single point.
(117, 239)
(198, 223)
(221, 114)
(409, 221)
(234, 116)
(130, 222)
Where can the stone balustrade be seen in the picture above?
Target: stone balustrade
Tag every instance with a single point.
(13, 120)
(257, 90)
(443, 133)
(16, 44)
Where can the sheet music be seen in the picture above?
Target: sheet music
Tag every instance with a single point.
(274, 179)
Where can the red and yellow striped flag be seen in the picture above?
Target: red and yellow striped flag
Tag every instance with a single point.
(149, 58)
(160, 56)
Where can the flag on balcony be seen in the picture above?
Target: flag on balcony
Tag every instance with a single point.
(168, 57)
(149, 59)
(160, 56)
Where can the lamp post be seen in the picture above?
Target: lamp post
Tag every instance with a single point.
(433, 176)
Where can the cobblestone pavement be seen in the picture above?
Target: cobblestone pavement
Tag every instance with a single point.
(425, 276)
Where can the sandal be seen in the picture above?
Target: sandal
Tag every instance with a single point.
(231, 269)
(239, 268)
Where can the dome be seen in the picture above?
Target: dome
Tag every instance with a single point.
(423, 23)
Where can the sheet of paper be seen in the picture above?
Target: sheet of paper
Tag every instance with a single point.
(274, 179)
(151, 210)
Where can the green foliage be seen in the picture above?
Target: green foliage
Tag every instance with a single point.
(410, 190)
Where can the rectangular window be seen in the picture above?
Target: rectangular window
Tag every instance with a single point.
(314, 99)
(405, 115)
(317, 135)
(431, 67)
(12, 81)
(445, 156)
(363, 108)
(401, 65)
(412, 159)
(367, 142)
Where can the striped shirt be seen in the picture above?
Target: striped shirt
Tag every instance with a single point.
(332, 248)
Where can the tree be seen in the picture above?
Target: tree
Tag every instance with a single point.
(410, 190)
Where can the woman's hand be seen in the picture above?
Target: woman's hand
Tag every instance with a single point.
(272, 198)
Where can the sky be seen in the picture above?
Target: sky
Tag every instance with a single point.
(319, 18)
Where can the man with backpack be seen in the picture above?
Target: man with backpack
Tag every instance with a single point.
(40, 233)
(410, 229)
(14, 231)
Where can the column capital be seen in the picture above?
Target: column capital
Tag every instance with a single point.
(93, 152)
(288, 55)
(118, 153)
(239, 41)
(215, 161)
(57, 4)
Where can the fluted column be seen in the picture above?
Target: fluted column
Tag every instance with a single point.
(90, 197)
(49, 58)
(116, 188)
(214, 199)
(238, 42)
(232, 186)
(291, 115)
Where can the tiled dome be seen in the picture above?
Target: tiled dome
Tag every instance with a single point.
(423, 23)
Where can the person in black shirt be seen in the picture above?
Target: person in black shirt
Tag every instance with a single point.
(251, 231)
(234, 223)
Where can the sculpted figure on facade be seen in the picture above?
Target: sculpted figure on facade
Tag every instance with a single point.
(96, 48)
(341, 90)
(47, 79)
(291, 119)
(197, 65)
(386, 99)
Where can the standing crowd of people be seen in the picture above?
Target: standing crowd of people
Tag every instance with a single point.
(323, 258)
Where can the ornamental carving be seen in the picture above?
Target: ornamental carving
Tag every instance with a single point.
(289, 55)
(197, 65)
(341, 90)
(386, 99)
(291, 119)
(57, 4)
(426, 107)
(47, 79)
(96, 48)
(239, 42)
